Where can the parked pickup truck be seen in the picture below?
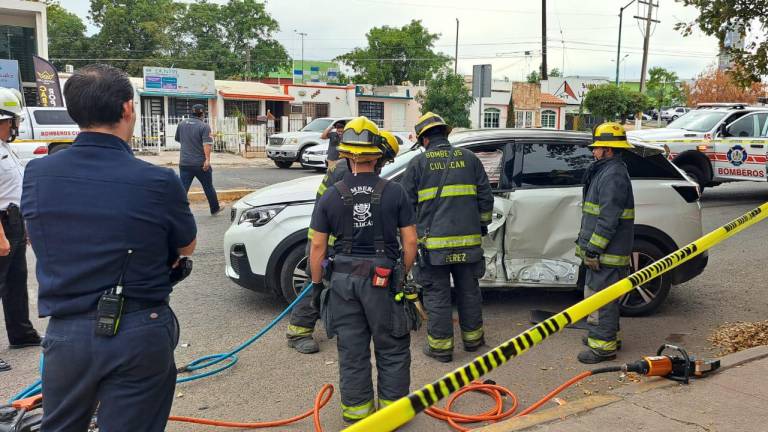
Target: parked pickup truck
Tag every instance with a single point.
(43, 130)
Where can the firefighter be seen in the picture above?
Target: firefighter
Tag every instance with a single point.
(449, 188)
(605, 239)
(303, 316)
(364, 213)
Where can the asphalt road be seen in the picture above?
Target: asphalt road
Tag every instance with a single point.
(253, 178)
(272, 381)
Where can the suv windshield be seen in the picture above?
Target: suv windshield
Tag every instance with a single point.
(698, 120)
(317, 125)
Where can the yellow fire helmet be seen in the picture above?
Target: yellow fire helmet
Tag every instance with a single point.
(428, 121)
(360, 140)
(390, 145)
(610, 134)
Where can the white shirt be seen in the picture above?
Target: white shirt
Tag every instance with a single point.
(11, 176)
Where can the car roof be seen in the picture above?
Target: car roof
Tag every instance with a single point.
(729, 107)
(474, 135)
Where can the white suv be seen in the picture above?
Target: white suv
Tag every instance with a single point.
(536, 176)
(288, 147)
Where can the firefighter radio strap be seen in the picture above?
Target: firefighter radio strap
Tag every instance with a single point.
(423, 258)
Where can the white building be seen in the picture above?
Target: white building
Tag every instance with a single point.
(24, 30)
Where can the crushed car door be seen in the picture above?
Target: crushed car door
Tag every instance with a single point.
(493, 155)
(544, 213)
(741, 152)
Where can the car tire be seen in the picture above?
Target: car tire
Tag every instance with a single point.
(674, 117)
(697, 175)
(295, 272)
(283, 164)
(644, 300)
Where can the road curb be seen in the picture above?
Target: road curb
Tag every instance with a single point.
(583, 405)
(223, 195)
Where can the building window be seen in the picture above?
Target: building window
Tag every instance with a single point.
(316, 110)
(18, 43)
(247, 109)
(491, 118)
(181, 108)
(548, 119)
(373, 110)
(524, 119)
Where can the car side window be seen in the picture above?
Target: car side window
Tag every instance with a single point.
(491, 156)
(749, 126)
(547, 165)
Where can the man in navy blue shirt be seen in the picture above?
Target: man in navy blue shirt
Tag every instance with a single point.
(86, 208)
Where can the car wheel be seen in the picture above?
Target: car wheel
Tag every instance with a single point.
(54, 147)
(645, 299)
(295, 272)
(283, 164)
(696, 174)
(674, 117)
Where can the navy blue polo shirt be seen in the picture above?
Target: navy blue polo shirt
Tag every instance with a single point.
(88, 205)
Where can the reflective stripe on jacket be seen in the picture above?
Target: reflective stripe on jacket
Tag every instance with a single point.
(465, 203)
(608, 213)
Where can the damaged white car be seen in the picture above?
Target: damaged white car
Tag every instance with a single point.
(537, 180)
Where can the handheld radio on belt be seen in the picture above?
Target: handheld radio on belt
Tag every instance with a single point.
(110, 307)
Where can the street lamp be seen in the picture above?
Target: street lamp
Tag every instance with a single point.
(617, 67)
(618, 47)
(302, 53)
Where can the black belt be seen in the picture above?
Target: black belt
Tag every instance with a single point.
(129, 306)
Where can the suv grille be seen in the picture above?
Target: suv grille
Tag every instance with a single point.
(276, 141)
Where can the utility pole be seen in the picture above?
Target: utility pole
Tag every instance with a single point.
(646, 39)
(456, 54)
(618, 46)
(302, 53)
(543, 39)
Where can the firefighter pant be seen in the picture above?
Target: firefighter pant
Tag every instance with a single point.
(603, 323)
(436, 284)
(358, 312)
(303, 319)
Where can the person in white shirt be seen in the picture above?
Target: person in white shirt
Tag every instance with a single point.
(13, 238)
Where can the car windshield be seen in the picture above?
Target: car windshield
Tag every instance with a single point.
(399, 163)
(317, 125)
(698, 120)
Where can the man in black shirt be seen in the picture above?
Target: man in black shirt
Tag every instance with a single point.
(365, 212)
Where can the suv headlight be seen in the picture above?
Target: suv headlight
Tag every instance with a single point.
(292, 141)
(260, 216)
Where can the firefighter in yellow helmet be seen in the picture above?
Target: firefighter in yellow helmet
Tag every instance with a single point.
(304, 316)
(365, 213)
(449, 188)
(606, 235)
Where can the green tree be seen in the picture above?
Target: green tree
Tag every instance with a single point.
(612, 102)
(533, 77)
(135, 30)
(663, 89)
(448, 96)
(719, 17)
(555, 73)
(395, 55)
(234, 39)
(66, 37)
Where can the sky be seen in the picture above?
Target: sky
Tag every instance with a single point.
(581, 35)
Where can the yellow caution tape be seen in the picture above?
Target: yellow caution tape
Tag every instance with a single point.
(404, 409)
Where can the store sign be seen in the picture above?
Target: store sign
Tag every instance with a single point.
(174, 81)
(9, 74)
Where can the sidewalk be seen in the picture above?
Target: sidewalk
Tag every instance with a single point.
(733, 399)
(171, 159)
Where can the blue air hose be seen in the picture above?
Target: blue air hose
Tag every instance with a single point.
(200, 363)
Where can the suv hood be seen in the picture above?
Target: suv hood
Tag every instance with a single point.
(302, 189)
(297, 134)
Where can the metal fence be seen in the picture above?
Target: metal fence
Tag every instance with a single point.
(158, 135)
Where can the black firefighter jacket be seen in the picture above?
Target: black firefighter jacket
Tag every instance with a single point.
(464, 206)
